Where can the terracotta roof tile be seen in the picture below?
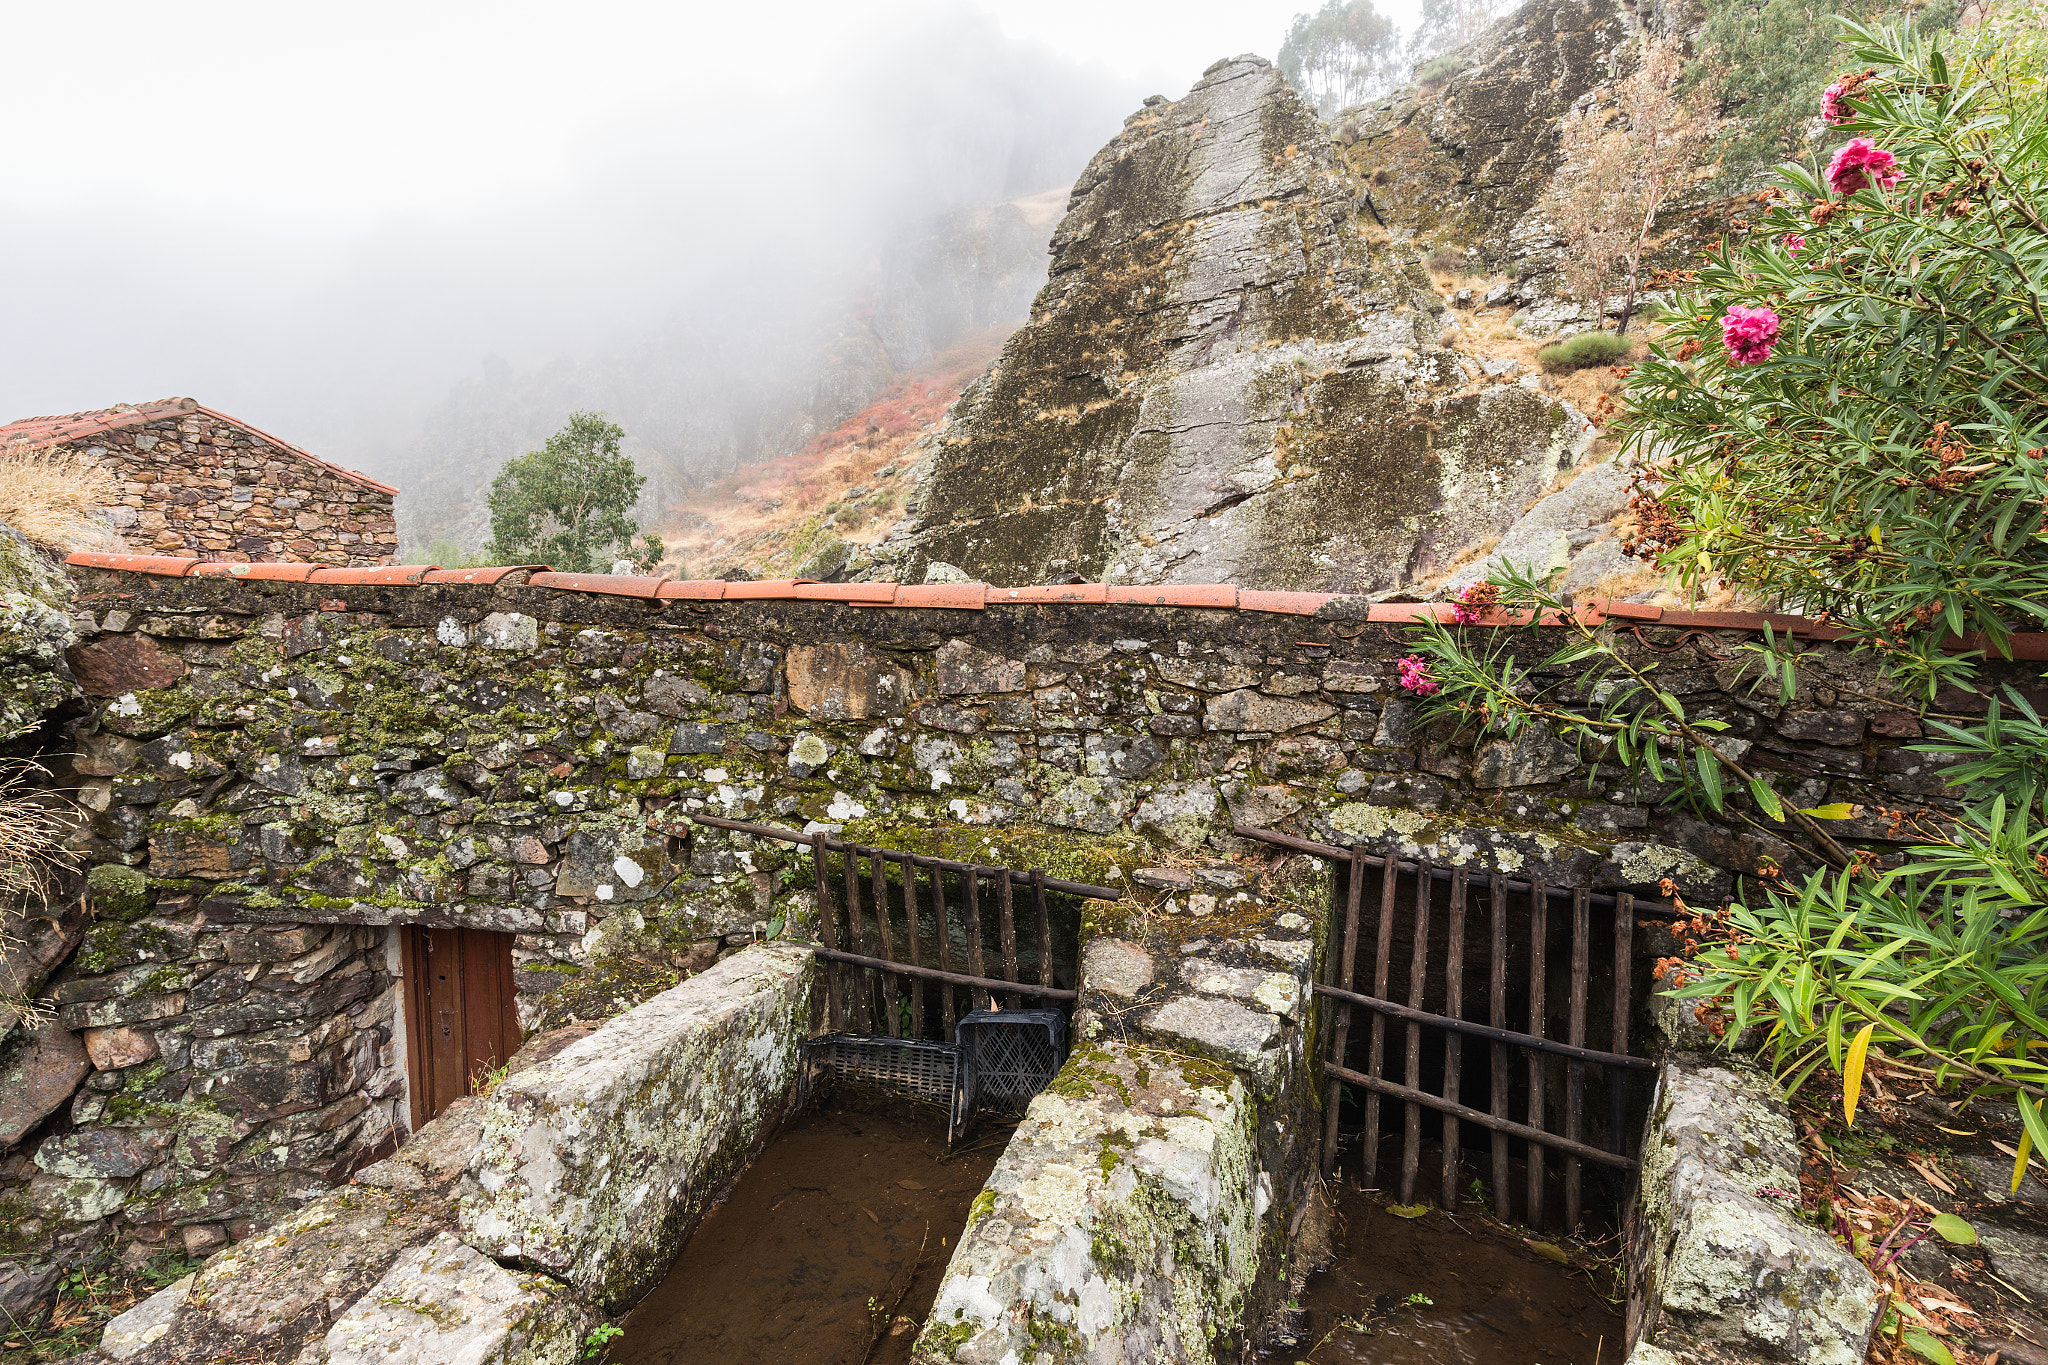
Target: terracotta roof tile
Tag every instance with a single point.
(1050, 592)
(610, 584)
(484, 576)
(168, 565)
(693, 590)
(864, 594)
(957, 596)
(1177, 594)
(77, 426)
(973, 596)
(1289, 603)
(262, 573)
(410, 574)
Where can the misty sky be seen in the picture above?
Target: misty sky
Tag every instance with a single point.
(319, 218)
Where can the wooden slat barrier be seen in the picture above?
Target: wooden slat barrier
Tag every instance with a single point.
(1548, 1123)
(871, 998)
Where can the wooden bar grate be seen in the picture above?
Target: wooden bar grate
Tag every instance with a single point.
(875, 985)
(1539, 1093)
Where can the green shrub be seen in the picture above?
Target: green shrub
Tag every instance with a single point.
(1437, 70)
(1584, 351)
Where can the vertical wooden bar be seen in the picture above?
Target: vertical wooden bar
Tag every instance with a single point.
(912, 929)
(1575, 1071)
(1006, 928)
(973, 913)
(863, 994)
(1376, 1059)
(1337, 972)
(827, 931)
(1044, 926)
(1418, 975)
(1624, 966)
(1497, 1015)
(945, 945)
(1454, 1044)
(1539, 931)
(878, 883)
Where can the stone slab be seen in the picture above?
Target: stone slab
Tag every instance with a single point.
(1122, 1224)
(445, 1304)
(1720, 1270)
(594, 1165)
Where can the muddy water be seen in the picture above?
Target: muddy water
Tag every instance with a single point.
(829, 1251)
(1492, 1300)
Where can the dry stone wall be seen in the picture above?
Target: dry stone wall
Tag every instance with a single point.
(196, 484)
(272, 771)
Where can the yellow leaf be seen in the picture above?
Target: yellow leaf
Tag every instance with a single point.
(1852, 1074)
(2019, 1167)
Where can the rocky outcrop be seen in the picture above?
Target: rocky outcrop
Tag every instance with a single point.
(1466, 161)
(1233, 375)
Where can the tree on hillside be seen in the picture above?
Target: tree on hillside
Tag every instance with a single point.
(1621, 168)
(569, 503)
(1450, 23)
(1342, 55)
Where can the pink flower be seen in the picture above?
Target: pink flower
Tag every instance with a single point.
(1860, 162)
(1794, 243)
(1415, 676)
(1473, 603)
(1833, 107)
(1749, 334)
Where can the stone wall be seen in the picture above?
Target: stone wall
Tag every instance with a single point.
(584, 1172)
(197, 484)
(196, 1082)
(272, 769)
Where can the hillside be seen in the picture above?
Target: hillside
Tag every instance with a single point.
(807, 514)
(1287, 354)
(717, 391)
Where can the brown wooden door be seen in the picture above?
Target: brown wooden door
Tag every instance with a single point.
(460, 1020)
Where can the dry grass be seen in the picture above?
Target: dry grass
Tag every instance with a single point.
(32, 830)
(769, 518)
(49, 495)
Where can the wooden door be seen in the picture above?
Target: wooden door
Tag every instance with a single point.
(460, 1020)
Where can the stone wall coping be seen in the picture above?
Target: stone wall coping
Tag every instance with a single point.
(977, 596)
(78, 425)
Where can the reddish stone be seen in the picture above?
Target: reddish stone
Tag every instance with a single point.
(113, 1048)
(123, 663)
(38, 1073)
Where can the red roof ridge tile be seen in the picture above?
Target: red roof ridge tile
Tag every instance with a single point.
(977, 596)
(77, 425)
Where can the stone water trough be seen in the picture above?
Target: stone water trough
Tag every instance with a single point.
(1130, 1212)
(1150, 1203)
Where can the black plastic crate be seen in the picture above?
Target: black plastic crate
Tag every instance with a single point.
(898, 1066)
(1007, 1057)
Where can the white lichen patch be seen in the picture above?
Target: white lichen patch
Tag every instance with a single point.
(1135, 1159)
(595, 1164)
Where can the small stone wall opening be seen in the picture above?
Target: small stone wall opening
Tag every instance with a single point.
(1499, 1029)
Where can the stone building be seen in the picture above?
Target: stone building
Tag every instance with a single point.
(198, 484)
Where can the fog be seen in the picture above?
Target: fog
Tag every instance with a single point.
(324, 225)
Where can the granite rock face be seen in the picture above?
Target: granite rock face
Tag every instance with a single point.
(1229, 379)
(1719, 1268)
